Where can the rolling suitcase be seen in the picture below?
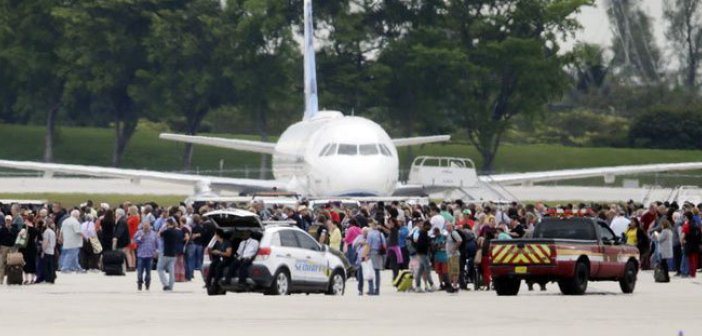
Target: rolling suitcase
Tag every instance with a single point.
(112, 262)
(14, 275)
(403, 281)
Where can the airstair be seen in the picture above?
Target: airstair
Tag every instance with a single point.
(454, 178)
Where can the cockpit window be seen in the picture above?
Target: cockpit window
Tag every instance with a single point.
(346, 149)
(331, 150)
(385, 150)
(324, 149)
(371, 149)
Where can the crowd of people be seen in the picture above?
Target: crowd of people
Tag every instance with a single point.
(450, 239)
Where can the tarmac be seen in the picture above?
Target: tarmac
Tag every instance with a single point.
(150, 187)
(94, 304)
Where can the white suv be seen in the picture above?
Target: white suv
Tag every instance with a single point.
(288, 260)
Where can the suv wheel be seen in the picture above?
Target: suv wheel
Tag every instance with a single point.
(507, 286)
(628, 282)
(337, 284)
(577, 285)
(281, 283)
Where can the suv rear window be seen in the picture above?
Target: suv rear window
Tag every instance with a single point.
(580, 229)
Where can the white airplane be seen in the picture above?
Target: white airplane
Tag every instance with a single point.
(328, 154)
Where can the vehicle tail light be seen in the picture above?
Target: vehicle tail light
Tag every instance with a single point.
(263, 253)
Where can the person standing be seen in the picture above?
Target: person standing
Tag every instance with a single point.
(147, 245)
(183, 240)
(352, 232)
(454, 243)
(197, 245)
(121, 239)
(48, 248)
(133, 221)
(8, 235)
(166, 262)
(90, 258)
(378, 250)
(107, 232)
(360, 247)
(72, 238)
(29, 250)
(665, 246)
(422, 244)
(690, 240)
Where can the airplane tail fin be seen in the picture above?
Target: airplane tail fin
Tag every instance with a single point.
(311, 102)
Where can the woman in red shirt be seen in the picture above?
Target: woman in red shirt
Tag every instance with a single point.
(690, 239)
(133, 224)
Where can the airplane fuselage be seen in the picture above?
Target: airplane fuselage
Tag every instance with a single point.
(336, 155)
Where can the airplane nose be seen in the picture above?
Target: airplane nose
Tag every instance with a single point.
(366, 175)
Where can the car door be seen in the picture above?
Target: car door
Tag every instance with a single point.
(287, 252)
(610, 264)
(315, 263)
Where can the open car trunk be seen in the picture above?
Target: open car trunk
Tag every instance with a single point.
(235, 220)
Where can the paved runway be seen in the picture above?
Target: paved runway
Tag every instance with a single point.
(149, 187)
(93, 304)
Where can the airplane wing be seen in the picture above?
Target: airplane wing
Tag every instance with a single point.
(403, 142)
(136, 175)
(570, 174)
(237, 144)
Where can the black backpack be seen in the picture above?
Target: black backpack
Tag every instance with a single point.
(464, 240)
(693, 239)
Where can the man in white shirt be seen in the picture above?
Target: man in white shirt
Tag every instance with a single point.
(72, 242)
(436, 221)
(619, 224)
(245, 255)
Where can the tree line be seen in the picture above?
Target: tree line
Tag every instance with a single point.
(484, 70)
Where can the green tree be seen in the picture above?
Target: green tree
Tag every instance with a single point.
(184, 77)
(104, 52)
(29, 37)
(685, 32)
(261, 59)
(513, 48)
(636, 53)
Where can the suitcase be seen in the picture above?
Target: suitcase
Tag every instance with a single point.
(14, 275)
(112, 262)
(403, 281)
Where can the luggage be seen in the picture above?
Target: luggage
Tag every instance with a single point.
(112, 262)
(95, 245)
(403, 281)
(14, 275)
(15, 259)
(659, 274)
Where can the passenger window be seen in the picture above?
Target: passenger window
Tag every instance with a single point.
(371, 149)
(605, 232)
(384, 150)
(306, 242)
(287, 238)
(324, 149)
(331, 150)
(345, 149)
(275, 240)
